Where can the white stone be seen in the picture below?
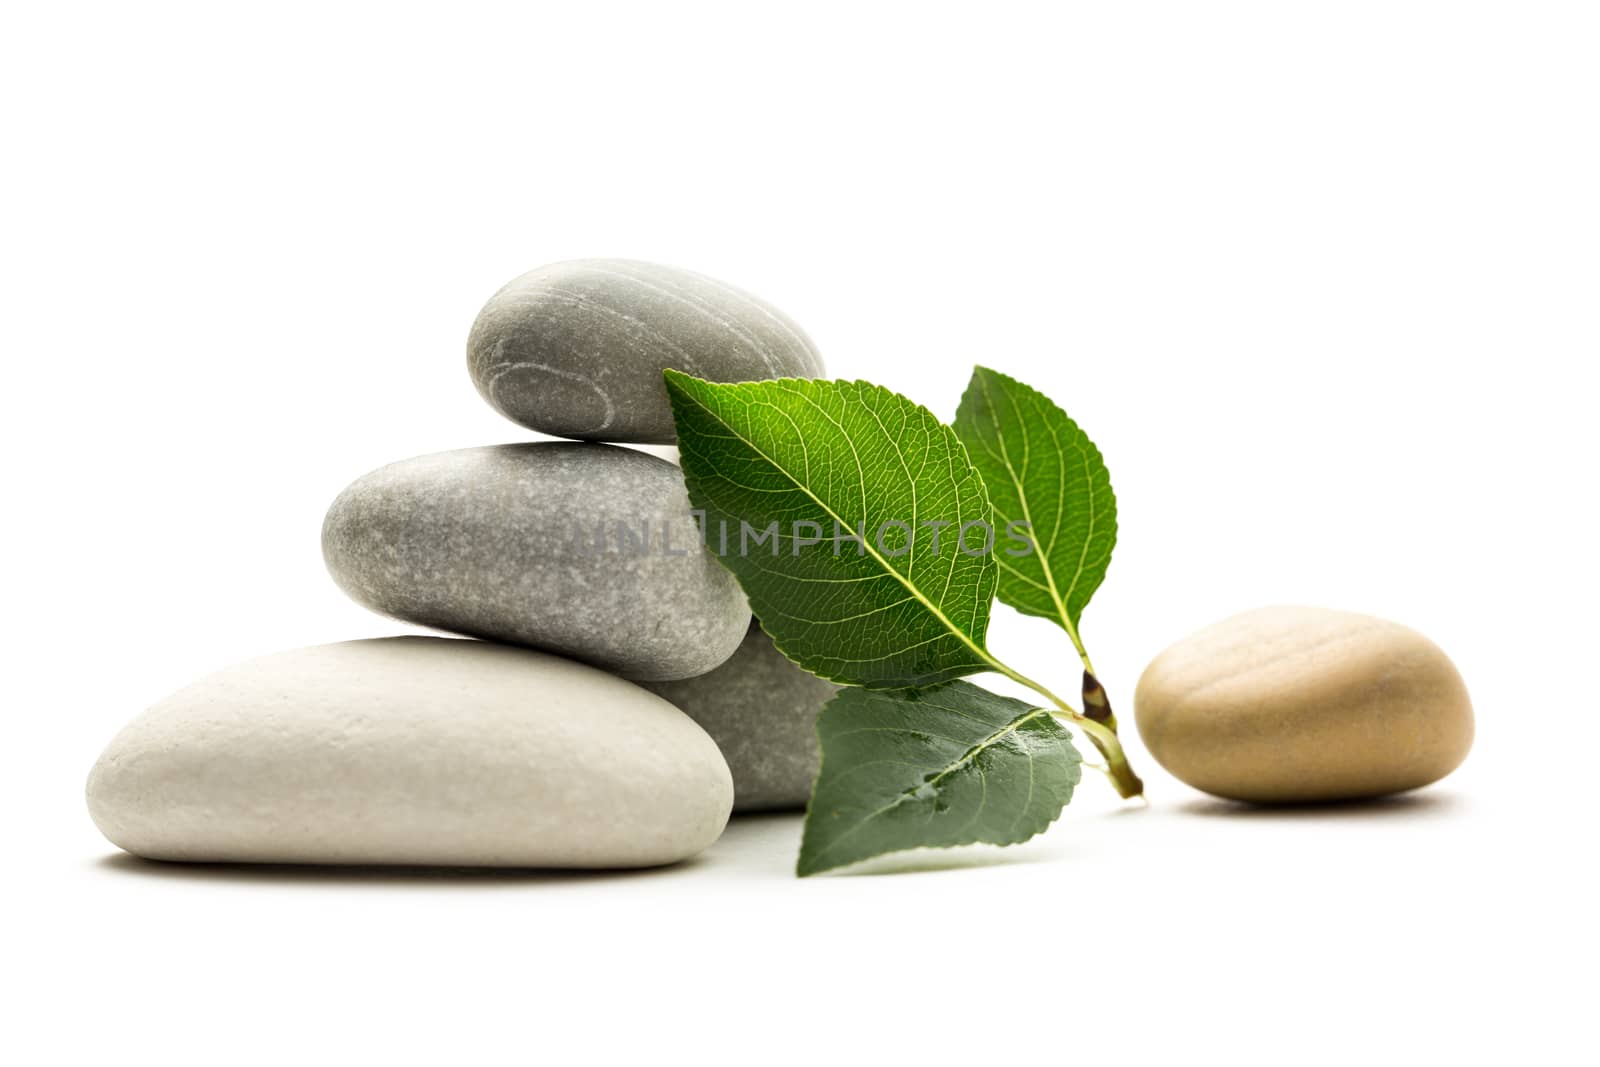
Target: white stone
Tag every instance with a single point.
(413, 750)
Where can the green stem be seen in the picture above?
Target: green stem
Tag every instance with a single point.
(1077, 642)
(1105, 739)
(1128, 784)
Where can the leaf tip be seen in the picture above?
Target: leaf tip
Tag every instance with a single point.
(676, 379)
(807, 865)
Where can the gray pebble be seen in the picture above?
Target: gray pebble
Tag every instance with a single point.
(576, 349)
(762, 711)
(541, 544)
(412, 750)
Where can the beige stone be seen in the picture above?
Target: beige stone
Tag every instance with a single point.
(1300, 704)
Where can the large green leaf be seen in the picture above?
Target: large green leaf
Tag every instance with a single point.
(1042, 470)
(932, 768)
(835, 460)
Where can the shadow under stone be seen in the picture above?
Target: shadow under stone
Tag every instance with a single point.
(306, 874)
(1431, 804)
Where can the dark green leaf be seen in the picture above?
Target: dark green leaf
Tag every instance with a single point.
(932, 768)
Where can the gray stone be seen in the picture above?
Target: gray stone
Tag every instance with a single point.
(412, 750)
(541, 544)
(762, 711)
(576, 349)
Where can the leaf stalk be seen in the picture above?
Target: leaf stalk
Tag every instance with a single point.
(1127, 783)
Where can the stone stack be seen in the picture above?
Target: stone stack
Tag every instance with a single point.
(618, 700)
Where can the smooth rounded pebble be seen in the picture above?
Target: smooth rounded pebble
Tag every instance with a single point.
(1298, 705)
(576, 349)
(585, 550)
(412, 750)
(761, 710)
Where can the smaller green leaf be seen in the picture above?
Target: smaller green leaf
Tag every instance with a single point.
(1044, 475)
(932, 768)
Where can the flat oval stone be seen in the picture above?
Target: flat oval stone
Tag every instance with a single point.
(576, 349)
(761, 710)
(412, 750)
(585, 550)
(1297, 704)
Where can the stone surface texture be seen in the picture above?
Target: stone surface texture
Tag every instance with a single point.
(576, 349)
(1301, 704)
(412, 750)
(762, 711)
(541, 544)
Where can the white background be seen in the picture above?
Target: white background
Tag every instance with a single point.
(1320, 279)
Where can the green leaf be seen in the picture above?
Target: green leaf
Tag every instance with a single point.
(1042, 470)
(932, 768)
(799, 459)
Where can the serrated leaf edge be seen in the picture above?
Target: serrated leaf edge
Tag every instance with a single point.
(1045, 406)
(675, 390)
